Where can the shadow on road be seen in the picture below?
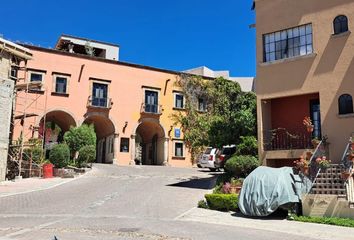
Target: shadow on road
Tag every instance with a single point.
(200, 183)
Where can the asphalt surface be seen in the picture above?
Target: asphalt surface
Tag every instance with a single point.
(115, 202)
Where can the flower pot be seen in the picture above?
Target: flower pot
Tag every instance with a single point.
(309, 128)
(345, 175)
(305, 170)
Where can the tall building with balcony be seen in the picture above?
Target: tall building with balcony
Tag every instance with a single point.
(305, 67)
(130, 105)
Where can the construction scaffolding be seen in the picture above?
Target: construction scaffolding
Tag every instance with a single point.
(28, 105)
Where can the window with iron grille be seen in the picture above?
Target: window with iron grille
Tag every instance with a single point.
(288, 43)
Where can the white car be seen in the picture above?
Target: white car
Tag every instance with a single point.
(208, 158)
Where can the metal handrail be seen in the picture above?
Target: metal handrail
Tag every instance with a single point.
(109, 103)
(158, 109)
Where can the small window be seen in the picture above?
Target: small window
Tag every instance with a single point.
(340, 24)
(179, 100)
(14, 72)
(124, 144)
(202, 105)
(179, 149)
(345, 104)
(36, 77)
(151, 101)
(61, 84)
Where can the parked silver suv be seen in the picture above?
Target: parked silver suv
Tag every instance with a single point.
(223, 155)
(208, 158)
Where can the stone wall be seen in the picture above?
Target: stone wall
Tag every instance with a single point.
(6, 92)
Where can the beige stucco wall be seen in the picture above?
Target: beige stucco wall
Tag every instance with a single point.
(329, 71)
(125, 89)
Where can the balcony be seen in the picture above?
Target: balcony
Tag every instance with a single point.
(103, 103)
(281, 139)
(153, 109)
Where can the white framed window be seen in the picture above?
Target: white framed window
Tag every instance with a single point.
(178, 149)
(36, 76)
(179, 101)
(202, 105)
(61, 84)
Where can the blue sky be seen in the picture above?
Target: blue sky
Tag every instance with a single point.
(175, 34)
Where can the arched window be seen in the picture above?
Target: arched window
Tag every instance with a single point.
(340, 24)
(345, 104)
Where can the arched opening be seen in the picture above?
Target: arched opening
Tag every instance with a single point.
(340, 24)
(345, 104)
(53, 126)
(149, 144)
(105, 130)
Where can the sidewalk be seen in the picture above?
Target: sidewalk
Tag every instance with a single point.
(310, 230)
(8, 188)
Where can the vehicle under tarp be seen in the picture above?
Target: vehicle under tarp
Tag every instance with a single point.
(266, 189)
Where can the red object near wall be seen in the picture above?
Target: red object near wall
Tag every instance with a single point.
(47, 170)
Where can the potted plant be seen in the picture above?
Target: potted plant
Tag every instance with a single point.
(315, 141)
(352, 143)
(236, 185)
(308, 124)
(345, 175)
(323, 162)
(302, 165)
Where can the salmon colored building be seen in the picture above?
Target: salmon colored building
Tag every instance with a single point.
(305, 67)
(129, 105)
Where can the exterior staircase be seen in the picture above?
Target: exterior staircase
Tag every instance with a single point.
(330, 182)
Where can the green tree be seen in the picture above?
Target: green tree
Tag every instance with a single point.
(77, 137)
(230, 113)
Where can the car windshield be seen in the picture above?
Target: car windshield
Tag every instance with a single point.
(208, 151)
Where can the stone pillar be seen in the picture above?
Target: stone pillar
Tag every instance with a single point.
(115, 148)
(165, 152)
(132, 149)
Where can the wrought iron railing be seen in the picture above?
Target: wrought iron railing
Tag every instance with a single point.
(281, 139)
(151, 108)
(99, 102)
(346, 162)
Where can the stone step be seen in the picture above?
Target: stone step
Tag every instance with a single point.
(328, 191)
(327, 185)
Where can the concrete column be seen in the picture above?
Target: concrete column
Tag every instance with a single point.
(115, 148)
(165, 152)
(132, 150)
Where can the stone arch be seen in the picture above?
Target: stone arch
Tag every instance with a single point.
(57, 118)
(106, 133)
(150, 143)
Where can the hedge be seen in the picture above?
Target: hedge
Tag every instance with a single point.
(241, 166)
(344, 222)
(222, 202)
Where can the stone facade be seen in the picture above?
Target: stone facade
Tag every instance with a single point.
(6, 92)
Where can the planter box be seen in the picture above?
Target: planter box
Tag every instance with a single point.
(63, 173)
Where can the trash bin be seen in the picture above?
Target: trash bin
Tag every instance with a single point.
(47, 170)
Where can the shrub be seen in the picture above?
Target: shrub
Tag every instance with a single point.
(241, 166)
(37, 154)
(202, 204)
(247, 146)
(77, 137)
(87, 154)
(222, 202)
(60, 155)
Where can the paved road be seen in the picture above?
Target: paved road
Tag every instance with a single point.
(114, 202)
